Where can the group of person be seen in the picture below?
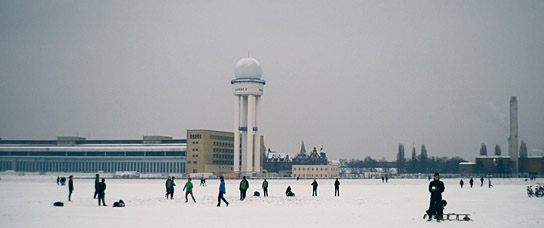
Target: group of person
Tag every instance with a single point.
(100, 189)
(188, 188)
(244, 186)
(471, 182)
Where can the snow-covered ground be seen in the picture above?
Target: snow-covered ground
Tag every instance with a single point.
(27, 201)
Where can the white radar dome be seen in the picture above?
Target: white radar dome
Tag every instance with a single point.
(248, 68)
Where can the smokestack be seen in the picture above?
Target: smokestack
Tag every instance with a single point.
(514, 148)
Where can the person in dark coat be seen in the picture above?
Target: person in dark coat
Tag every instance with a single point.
(336, 187)
(461, 183)
(288, 192)
(96, 182)
(169, 187)
(436, 187)
(471, 182)
(244, 185)
(101, 192)
(314, 188)
(70, 188)
(265, 188)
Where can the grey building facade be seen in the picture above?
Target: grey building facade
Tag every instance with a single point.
(152, 154)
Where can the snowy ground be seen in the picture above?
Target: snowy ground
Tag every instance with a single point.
(27, 201)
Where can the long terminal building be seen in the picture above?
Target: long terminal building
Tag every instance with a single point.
(152, 154)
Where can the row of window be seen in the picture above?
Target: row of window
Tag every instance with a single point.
(224, 156)
(223, 144)
(223, 150)
(92, 166)
(314, 175)
(99, 154)
(195, 136)
(223, 162)
(224, 138)
(316, 169)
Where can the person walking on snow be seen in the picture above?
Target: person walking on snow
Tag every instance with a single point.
(222, 191)
(461, 183)
(96, 182)
(436, 187)
(169, 185)
(189, 190)
(244, 185)
(471, 182)
(314, 188)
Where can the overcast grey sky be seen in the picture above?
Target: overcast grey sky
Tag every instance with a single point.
(358, 77)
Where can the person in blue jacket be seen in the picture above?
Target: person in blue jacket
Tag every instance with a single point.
(222, 191)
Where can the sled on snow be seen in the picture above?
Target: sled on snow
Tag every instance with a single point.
(451, 216)
(458, 216)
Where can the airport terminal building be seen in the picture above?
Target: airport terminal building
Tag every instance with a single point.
(152, 154)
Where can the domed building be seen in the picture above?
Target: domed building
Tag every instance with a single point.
(248, 88)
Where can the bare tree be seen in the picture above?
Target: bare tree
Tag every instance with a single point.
(483, 150)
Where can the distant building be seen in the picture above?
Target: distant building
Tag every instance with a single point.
(513, 164)
(210, 151)
(277, 163)
(466, 168)
(315, 171)
(527, 166)
(152, 154)
(314, 158)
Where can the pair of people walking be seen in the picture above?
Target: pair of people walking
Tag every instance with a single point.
(170, 187)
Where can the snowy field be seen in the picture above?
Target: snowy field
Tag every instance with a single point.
(27, 201)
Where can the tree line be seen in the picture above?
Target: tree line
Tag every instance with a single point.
(498, 152)
(418, 163)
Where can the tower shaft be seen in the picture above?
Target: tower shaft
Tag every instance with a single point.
(514, 148)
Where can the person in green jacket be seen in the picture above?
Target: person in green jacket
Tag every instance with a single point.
(189, 190)
(244, 185)
(265, 188)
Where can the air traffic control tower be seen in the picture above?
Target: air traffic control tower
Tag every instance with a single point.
(248, 89)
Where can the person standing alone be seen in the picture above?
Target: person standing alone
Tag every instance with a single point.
(436, 187)
(222, 191)
(336, 187)
(70, 187)
(265, 188)
(314, 188)
(102, 192)
(244, 185)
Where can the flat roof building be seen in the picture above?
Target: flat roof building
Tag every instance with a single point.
(210, 151)
(152, 154)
